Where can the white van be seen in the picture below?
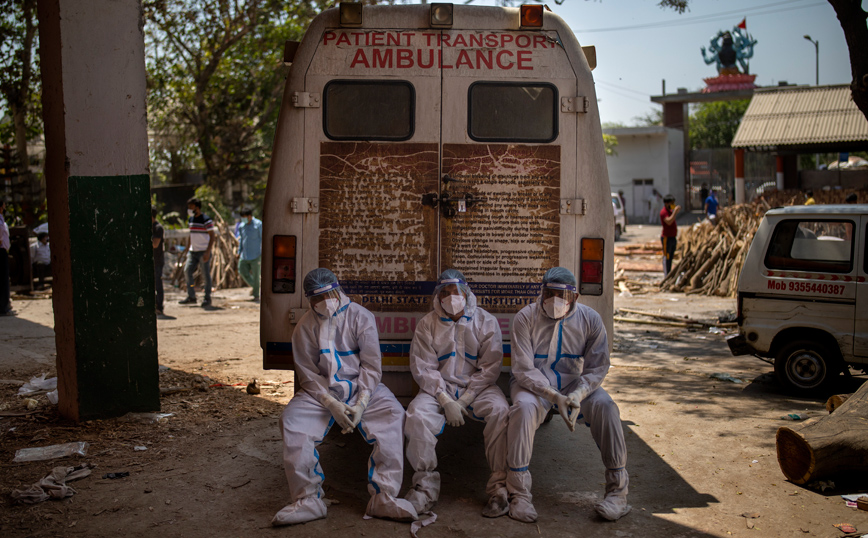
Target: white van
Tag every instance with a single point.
(416, 138)
(802, 294)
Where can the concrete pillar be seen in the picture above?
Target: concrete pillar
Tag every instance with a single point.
(93, 83)
(739, 175)
(779, 172)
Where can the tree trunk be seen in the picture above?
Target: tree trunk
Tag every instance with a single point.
(836, 443)
(852, 18)
(836, 401)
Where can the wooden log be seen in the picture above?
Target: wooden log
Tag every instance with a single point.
(836, 401)
(829, 445)
(683, 324)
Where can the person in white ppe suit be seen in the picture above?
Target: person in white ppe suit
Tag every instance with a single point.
(455, 358)
(560, 355)
(338, 363)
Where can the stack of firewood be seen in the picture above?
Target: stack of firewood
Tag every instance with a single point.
(710, 255)
(224, 266)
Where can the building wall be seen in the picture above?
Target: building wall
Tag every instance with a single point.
(655, 153)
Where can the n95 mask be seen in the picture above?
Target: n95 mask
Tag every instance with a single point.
(453, 305)
(555, 307)
(328, 307)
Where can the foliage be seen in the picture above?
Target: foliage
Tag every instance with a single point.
(713, 125)
(609, 143)
(19, 72)
(215, 77)
(650, 118)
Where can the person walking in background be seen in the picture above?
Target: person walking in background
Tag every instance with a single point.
(157, 239)
(250, 250)
(198, 251)
(40, 255)
(670, 231)
(5, 304)
(809, 197)
(711, 205)
(852, 198)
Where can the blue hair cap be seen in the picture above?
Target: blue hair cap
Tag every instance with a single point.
(559, 275)
(317, 279)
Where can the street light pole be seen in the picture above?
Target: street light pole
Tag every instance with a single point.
(817, 50)
(816, 83)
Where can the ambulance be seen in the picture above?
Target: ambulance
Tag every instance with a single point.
(417, 138)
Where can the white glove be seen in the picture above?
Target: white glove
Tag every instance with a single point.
(578, 395)
(339, 410)
(452, 409)
(562, 401)
(464, 401)
(357, 410)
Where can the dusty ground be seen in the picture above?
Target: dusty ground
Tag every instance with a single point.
(701, 450)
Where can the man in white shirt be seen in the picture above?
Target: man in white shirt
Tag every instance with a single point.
(5, 305)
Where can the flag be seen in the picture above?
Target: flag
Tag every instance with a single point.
(743, 24)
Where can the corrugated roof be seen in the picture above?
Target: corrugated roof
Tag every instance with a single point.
(802, 115)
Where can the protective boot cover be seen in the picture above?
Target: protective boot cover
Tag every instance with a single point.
(385, 506)
(614, 505)
(301, 511)
(520, 505)
(498, 504)
(425, 491)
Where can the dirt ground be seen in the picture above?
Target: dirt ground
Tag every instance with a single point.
(701, 450)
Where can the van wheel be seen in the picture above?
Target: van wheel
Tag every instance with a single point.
(617, 232)
(806, 367)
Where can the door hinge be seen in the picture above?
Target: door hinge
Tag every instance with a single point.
(304, 205)
(577, 104)
(574, 206)
(305, 100)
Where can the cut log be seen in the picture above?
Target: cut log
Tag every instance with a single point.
(830, 445)
(834, 402)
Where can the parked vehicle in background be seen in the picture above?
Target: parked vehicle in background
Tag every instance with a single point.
(803, 295)
(620, 216)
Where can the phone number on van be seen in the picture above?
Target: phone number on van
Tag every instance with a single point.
(807, 287)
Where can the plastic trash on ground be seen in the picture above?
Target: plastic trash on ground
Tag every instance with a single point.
(146, 418)
(725, 377)
(51, 452)
(38, 384)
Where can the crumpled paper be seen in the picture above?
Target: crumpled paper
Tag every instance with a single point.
(54, 485)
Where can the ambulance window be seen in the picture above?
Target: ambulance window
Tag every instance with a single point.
(512, 112)
(368, 110)
(822, 246)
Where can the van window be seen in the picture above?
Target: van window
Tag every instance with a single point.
(512, 112)
(369, 110)
(822, 246)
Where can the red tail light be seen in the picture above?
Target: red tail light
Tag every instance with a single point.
(591, 266)
(283, 264)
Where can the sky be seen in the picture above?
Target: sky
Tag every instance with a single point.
(639, 44)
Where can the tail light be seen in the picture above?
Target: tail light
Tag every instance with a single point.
(591, 268)
(283, 264)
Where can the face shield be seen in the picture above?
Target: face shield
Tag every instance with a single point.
(325, 300)
(451, 293)
(557, 299)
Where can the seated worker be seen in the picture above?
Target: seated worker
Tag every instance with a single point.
(455, 358)
(41, 257)
(337, 359)
(560, 355)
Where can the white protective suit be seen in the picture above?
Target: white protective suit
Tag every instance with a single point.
(341, 355)
(457, 357)
(567, 354)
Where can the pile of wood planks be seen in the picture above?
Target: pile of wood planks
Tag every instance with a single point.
(224, 266)
(710, 255)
